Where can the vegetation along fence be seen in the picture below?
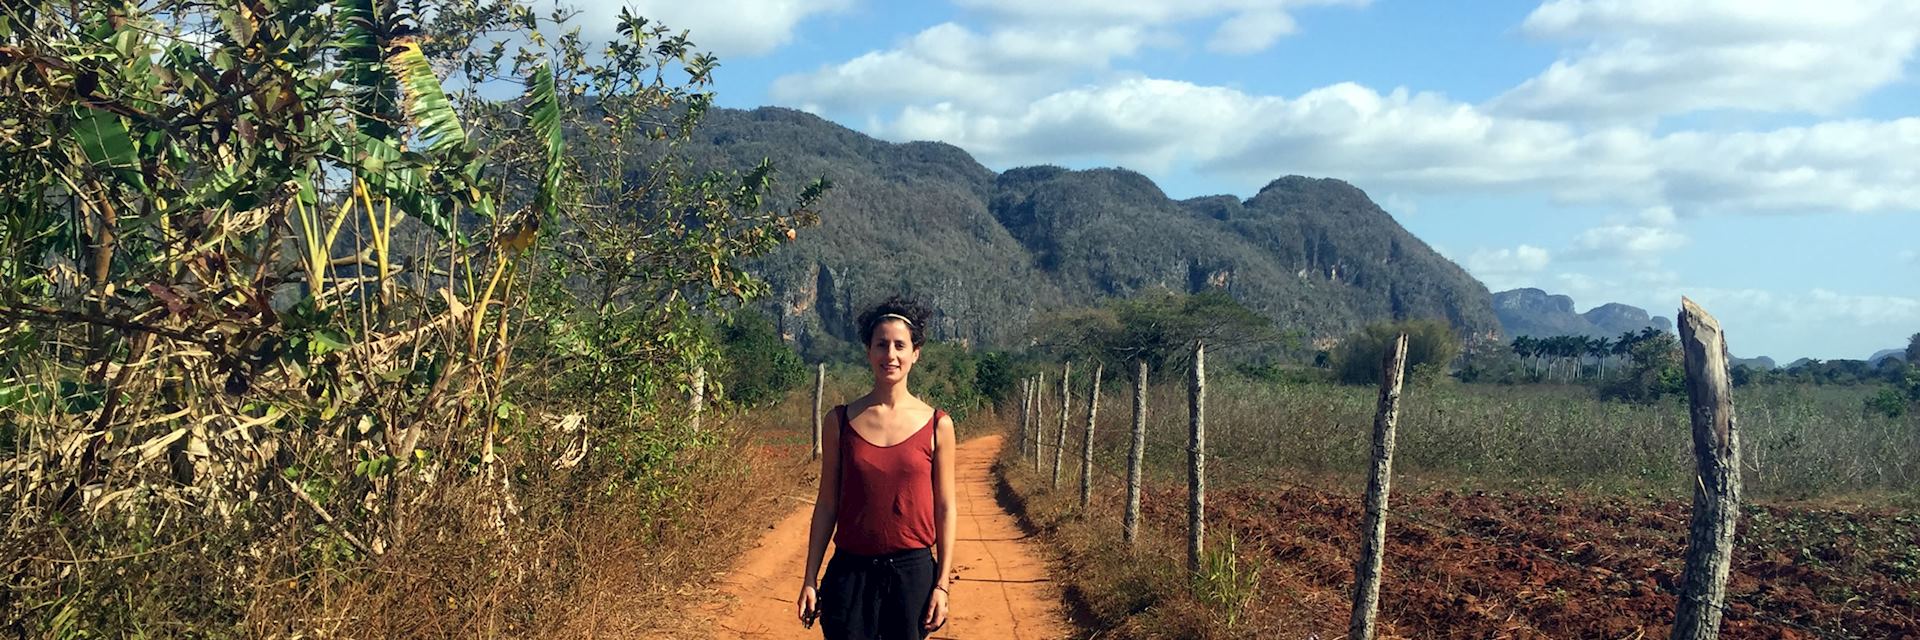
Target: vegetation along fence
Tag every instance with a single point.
(1700, 592)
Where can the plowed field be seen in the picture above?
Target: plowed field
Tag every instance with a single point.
(1532, 566)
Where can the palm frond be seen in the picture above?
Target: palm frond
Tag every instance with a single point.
(543, 112)
(436, 123)
(373, 93)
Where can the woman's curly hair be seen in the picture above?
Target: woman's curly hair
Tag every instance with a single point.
(917, 316)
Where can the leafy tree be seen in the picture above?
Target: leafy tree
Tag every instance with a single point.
(1159, 327)
(1654, 370)
(1913, 350)
(1527, 348)
(1600, 348)
(947, 375)
(995, 374)
(760, 366)
(1431, 344)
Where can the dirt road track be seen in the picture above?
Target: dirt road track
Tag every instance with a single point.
(1000, 590)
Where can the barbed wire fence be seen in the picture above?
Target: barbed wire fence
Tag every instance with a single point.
(1254, 469)
(1243, 469)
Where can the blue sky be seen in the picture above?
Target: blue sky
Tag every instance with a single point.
(1760, 156)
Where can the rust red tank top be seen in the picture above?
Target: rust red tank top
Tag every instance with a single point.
(886, 493)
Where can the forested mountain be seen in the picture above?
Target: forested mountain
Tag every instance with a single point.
(1532, 312)
(1883, 354)
(989, 251)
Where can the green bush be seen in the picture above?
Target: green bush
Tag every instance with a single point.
(1359, 358)
(994, 375)
(1655, 373)
(947, 376)
(760, 367)
(1888, 402)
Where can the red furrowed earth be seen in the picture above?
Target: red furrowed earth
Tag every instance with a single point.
(1534, 566)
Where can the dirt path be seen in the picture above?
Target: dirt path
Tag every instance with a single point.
(1000, 588)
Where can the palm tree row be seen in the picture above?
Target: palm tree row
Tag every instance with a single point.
(1543, 355)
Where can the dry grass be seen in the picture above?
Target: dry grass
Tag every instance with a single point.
(585, 563)
(1115, 592)
(1802, 443)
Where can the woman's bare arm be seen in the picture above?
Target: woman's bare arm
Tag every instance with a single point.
(946, 512)
(826, 503)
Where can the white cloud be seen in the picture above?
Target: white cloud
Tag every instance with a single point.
(1141, 121)
(1640, 241)
(1028, 50)
(1658, 216)
(1818, 323)
(725, 27)
(1251, 32)
(1865, 309)
(1042, 86)
(1628, 241)
(1643, 59)
(1503, 269)
(949, 62)
(1400, 206)
(1136, 11)
(1425, 142)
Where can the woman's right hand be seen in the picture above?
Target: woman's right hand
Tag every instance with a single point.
(809, 605)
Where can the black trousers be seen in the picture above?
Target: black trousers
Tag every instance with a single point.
(877, 597)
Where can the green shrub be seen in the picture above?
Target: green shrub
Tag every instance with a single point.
(1656, 371)
(947, 376)
(1358, 359)
(760, 367)
(994, 376)
(1888, 402)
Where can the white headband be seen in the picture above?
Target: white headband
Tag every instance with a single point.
(895, 315)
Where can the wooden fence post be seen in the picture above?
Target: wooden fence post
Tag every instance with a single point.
(1373, 533)
(1196, 458)
(1086, 441)
(698, 404)
(1026, 411)
(1716, 489)
(1039, 422)
(1066, 408)
(819, 396)
(1130, 526)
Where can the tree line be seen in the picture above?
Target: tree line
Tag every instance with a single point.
(288, 284)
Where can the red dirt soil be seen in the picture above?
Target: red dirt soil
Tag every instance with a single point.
(1535, 566)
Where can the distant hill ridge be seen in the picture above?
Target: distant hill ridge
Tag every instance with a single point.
(1533, 312)
(990, 251)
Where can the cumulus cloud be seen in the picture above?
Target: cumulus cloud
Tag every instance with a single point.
(1784, 324)
(725, 27)
(951, 63)
(1628, 241)
(1137, 11)
(1643, 59)
(1047, 84)
(1503, 269)
(1425, 142)
(1251, 32)
(1028, 50)
(1639, 240)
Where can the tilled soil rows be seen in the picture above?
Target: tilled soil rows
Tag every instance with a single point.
(1480, 565)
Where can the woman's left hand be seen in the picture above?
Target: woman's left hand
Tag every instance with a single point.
(936, 611)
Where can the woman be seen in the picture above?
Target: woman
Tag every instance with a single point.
(886, 498)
